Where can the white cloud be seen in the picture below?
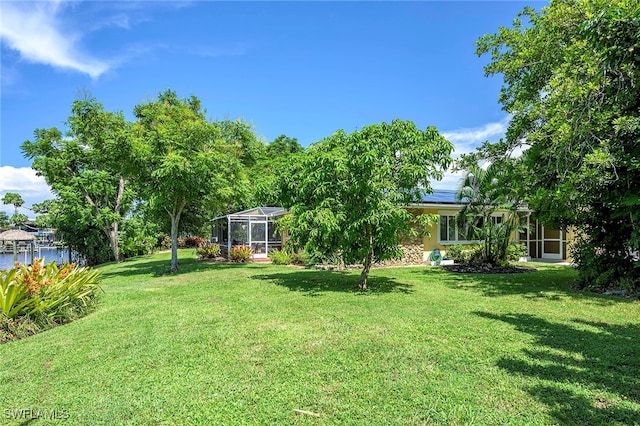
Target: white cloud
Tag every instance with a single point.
(450, 180)
(24, 181)
(36, 32)
(466, 141)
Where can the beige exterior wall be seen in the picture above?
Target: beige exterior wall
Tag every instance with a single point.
(433, 240)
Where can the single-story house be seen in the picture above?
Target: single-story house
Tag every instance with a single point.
(256, 228)
(541, 242)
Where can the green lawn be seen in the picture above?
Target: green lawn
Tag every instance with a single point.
(249, 344)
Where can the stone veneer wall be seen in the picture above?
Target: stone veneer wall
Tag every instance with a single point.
(413, 255)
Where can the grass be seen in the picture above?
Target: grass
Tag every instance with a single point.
(251, 343)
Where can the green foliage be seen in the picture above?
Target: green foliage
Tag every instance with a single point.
(490, 210)
(601, 270)
(184, 163)
(46, 290)
(570, 86)
(88, 169)
(4, 220)
(14, 199)
(282, 147)
(265, 174)
(209, 251)
(191, 241)
(137, 237)
(346, 193)
(516, 250)
(467, 253)
(280, 257)
(300, 258)
(18, 219)
(166, 242)
(454, 253)
(240, 253)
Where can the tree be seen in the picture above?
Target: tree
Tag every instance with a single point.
(43, 210)
(483, 193)
(278, 154)
(4, 220)
(347, 192)
(183, 161)
(571, 86)
(13, 199)
(283, 146)
(87, 169)
(18, 219)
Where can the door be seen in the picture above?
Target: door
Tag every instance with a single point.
(551, 243)
(258, 241)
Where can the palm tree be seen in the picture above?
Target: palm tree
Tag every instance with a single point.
(490, 211)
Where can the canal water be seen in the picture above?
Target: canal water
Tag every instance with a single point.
(49, 255)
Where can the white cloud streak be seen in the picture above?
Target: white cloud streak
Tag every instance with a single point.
(36, 32)
(24, 181)
(466, 141)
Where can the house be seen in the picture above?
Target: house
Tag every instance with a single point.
(541, 242)
(256, 228)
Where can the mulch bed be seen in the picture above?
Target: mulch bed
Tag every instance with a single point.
(485, 268)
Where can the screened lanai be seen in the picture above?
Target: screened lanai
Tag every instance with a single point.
(254, 228)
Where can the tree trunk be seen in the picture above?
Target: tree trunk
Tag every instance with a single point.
(175, 221)
(111, 228)
(367, 261)
(112, 232)
(174, 243)
(365, 271)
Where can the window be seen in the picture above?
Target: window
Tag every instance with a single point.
(449, 230)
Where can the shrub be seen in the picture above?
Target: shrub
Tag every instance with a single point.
(600, 270)
(240, 253)
(137, 237)
(280, 257)
(49, 290)
(300, 258)
(37, 297)
(191, 241)
(455, 253)
(516, 250)
(209, 251)
(469, 253)
(166, 242)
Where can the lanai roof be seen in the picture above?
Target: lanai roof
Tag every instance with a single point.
(264, 212)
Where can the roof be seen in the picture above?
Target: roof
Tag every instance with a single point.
(16, 235)
(440, 196)
(256, 212)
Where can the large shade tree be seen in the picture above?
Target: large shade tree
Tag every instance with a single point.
(347, 193)
(266, 173)
(183, 161)
(88, 169)
(571, 76)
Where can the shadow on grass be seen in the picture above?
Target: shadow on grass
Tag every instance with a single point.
(589, 370)
(316, 282)
(549, 284)
(158, 268)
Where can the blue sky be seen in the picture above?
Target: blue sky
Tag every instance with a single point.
(297, 68)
